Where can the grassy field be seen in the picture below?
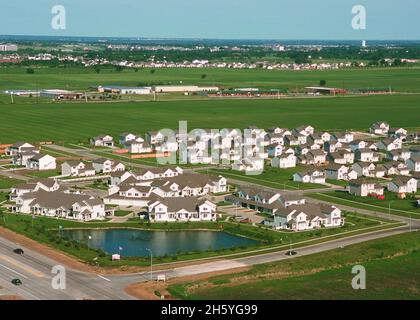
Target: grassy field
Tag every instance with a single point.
(78, 122)
(404, 79)
(6, 183)
(392, 269)
(271, 177)
(398, 206)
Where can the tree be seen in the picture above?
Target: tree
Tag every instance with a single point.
(152, 71)
(97, 70)
(203, 76)
(119, 68)
(323, 83)
(30, 71)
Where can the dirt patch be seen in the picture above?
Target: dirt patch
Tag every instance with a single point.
(146, 290)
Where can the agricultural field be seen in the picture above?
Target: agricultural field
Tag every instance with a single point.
(77, 122)
(392, 267)
(72, 78)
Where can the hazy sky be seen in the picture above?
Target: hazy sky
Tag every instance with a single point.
(231, 19)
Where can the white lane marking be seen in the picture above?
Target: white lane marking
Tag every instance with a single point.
(106, 279)
(18, 273)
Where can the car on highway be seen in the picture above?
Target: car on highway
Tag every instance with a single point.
(19, 251)
(291, 253)
(17, 282)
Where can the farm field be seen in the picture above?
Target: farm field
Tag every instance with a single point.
(403, 207)
(77, 122)
(392, 266)
(400, 79)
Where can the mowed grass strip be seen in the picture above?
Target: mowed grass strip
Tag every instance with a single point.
(392, 204)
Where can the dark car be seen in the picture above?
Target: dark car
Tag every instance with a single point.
(17, 282)
(291, 253)
(19, 251)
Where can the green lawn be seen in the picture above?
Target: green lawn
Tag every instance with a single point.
(392, 268)
(3, 196)
(398, 206)
(65, 123)
(6, 183)
(121, 213)
(271, 177)
(43, 174)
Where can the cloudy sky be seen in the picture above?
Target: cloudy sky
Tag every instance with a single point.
(223, 19)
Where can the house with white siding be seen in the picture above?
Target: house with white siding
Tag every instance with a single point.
(102, 141)
(380, 127)
(286, 160)
(364, 187)
(403, 184)
(310, 176)
(182, 209)
(413, 163)
(41, 162)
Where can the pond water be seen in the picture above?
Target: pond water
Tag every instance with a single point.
(134, 243)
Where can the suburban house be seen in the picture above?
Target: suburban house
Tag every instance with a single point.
(396, 168)
(126, 137)
(304, 130)
(290, 199)
(389, 144)
(403, 184)
(341, 157)
(311, 176)
(364, 187)
(60, 205)
(286, 160)
(274, 150)
(306, 217)
(77, 169)
(398, 132)
(182, 209)
(316, 157)
(102, 141)
(343, 137)
(366, 155)
(134, 146)
(363, 168)
(48, 185)
(103, 165)
(41, 162)
(19, 147)
(380, 127)
(340, 172)
(414, 163)
(398, 155)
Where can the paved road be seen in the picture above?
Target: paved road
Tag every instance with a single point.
(35, 271)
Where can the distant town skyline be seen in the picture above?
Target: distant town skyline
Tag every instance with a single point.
(216, 19)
